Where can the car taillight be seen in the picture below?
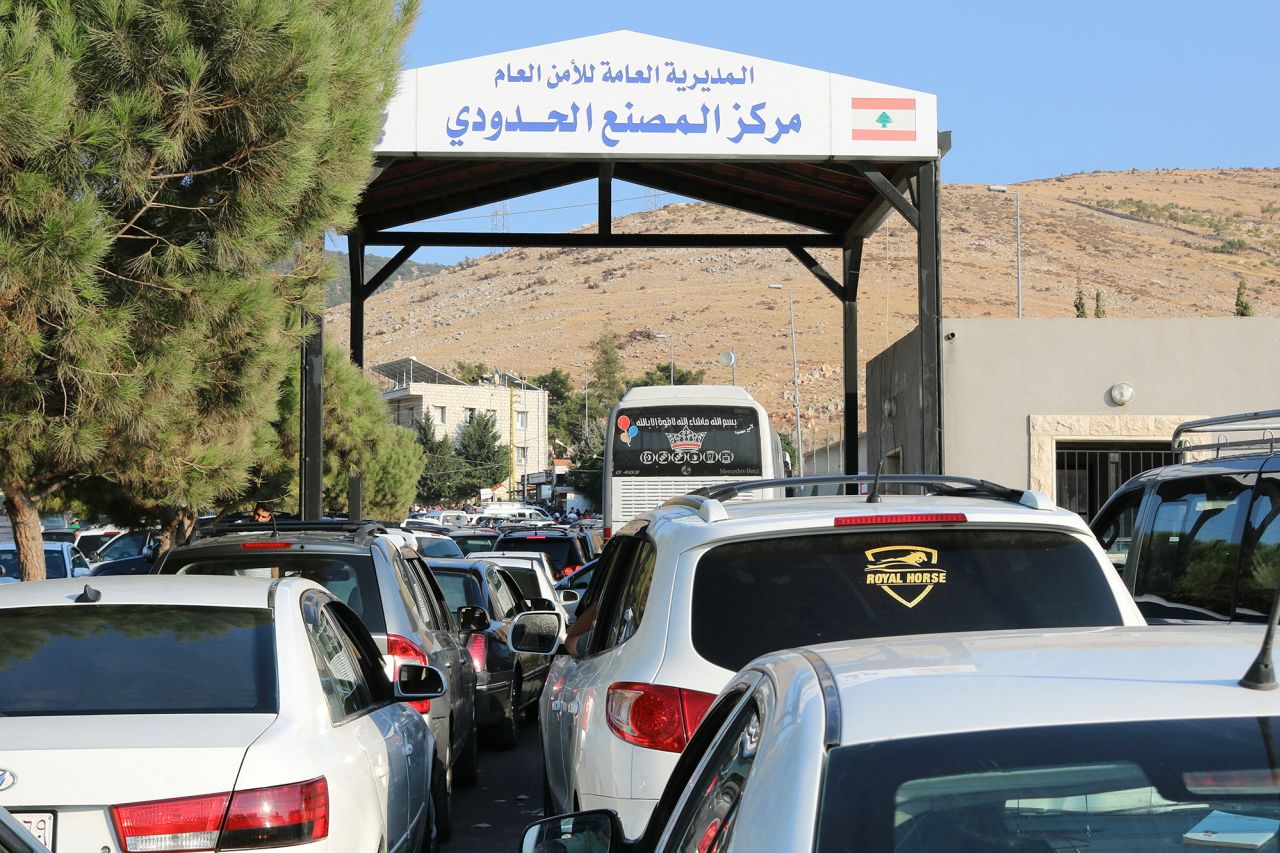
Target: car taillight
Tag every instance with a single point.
(570, 569)
(266, 546)
(402, 650)
(263, 817)
(478, 648)
(277, 817)
(655, 716)
(905, 518)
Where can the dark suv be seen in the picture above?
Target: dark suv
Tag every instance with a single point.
(1199, 540)
(390, 588)
(566, 549)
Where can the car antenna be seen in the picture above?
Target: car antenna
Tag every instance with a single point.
(873, 497)
(1262, 673)
(89, 596)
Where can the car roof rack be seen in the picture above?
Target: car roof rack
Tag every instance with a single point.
(357, 529)
(708, 501)
(1266, 421)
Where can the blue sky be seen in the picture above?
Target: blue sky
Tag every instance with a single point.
(1029, 89)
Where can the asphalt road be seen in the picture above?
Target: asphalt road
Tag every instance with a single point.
(491, 817)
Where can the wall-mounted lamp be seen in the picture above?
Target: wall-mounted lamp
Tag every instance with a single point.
(1121, 393)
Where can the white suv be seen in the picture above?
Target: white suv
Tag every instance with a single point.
(686, 595)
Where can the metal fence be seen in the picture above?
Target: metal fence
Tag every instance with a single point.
(1089, 472)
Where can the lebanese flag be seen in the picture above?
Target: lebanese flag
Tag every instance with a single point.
(884, 119)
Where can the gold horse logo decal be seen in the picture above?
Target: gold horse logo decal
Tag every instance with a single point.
(894, 568)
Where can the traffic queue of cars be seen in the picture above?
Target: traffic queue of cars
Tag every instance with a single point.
(935, 664)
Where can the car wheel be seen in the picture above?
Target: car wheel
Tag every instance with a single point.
(467, 767)
(509, 728)
(442, 806)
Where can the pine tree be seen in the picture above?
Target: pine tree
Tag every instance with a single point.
(607, 384)
(1244, 308)
(564, 406)
(1081, 311)
(156, 158)
(441, 468)
(483, 459)
(661, 374)
(1099, 309)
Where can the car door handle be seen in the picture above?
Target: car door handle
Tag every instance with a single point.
(557, 705)
(571, 707)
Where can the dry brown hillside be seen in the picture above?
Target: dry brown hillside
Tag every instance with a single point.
(1158, 244)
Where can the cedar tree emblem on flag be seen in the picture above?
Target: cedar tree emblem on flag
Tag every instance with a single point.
(884, 119)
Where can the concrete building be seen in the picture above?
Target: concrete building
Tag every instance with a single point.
(1070, 407)
(519, 409)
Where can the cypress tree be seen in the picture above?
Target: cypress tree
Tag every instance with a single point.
(156, 158)
(1244, 308)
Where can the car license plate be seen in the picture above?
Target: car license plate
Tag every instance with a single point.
(39, 824)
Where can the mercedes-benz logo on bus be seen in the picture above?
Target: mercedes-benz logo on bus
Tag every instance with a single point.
(7, 779)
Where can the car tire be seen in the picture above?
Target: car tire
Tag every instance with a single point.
(509, 727)
(442, 805)
(467, 767)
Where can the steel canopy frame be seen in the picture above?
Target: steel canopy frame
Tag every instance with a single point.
(844, 202)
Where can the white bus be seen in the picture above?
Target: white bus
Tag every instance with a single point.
(667, 440)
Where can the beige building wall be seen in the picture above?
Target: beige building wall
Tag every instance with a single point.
(520, 416)
(1013, 388)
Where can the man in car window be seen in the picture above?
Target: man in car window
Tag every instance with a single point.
(263, 512)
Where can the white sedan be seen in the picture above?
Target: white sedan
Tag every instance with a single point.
(202, 713)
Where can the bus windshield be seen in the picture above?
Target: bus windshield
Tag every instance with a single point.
(687, 441)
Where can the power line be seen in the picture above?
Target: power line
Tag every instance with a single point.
(489, 216)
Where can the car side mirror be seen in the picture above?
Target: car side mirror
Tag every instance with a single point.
(569, 596)
(541, 604)
(538, 633)
(416, 682)
(597, 831)
(471, 618)
(149, 552)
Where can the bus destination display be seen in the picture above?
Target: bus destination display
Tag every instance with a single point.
(687, 441)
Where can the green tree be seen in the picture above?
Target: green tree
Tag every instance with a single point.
(484, 461)
(661, 374)
(156, 158)
(564, 406)
(1244, 308)
(1081, 311)
(587, 475)
(441, 466)
(1099, 308)
(607, 383)
(789, 448)
(470, 371)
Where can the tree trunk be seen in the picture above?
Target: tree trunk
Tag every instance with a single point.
(25, 518)
(176, 528)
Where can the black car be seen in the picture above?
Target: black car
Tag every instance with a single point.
(1199, 540)
(474, 539)
(564, 548)
(507, 683)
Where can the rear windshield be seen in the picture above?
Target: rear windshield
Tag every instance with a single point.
(133, 659)
(350, 577)
(469, 544)
(1171, 785)
(91, 542)
(460, 589)
(54, 565)
(558, 550)
(526, 580)
(750, 598)
(438, 548)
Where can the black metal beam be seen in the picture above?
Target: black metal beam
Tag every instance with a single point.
(523, 181)
(851, 271)
(378, 279)
(589, 240)
(604, 199)
(664, 177)
(360, 290)
(819, 272)
(311, 413)
(890, 193)
(928, 253)
(866, 224)
(848, 194)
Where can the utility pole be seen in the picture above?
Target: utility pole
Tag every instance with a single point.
(795, 375)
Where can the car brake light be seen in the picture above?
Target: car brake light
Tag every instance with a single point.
(570, 569)
(266, 546)
(655, 716)
(478, 648)
(401, 650)
(277, 817)
(262, 817)
(186, 823)
(905, 518)
(535, 538)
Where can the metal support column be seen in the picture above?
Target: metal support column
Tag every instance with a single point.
(851, 267)
(311, 444)
(355, 257)
(604, 200)
(928, 254)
